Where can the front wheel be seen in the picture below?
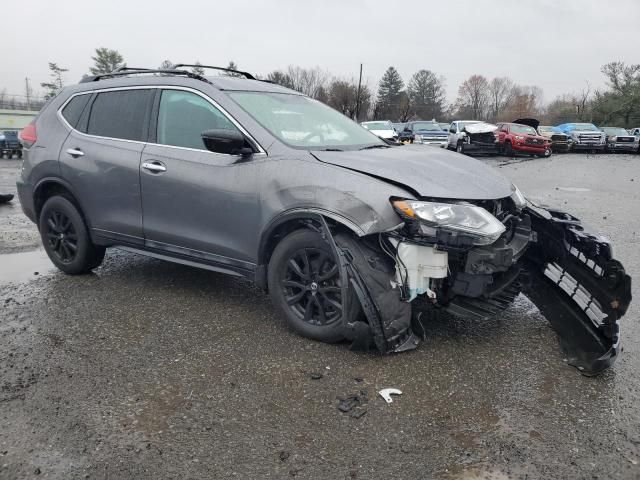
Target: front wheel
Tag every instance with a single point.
(66, 239)
(306, 288)
(460, 147)
(508, 149)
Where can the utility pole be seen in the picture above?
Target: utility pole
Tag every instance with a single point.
(358, 95)
(27, 92)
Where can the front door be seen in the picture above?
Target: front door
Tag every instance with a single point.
(197, 202)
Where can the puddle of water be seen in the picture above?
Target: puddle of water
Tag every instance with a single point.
(574, 189)
(21, 267)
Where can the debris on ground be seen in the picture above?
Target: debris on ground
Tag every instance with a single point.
(316, 375)
(354, 404)
(387, 392)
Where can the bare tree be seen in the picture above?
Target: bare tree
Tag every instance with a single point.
(500, 95)
(308, 80)
(473, 96)
(165, 65)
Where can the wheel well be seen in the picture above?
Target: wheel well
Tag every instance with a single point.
(48, 190)
(273, 237)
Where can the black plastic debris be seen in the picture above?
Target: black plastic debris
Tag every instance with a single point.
(354, 404)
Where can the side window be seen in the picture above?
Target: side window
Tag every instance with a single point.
(505, 129)
(183, 116)
(74, 109)
(452, 128)
(120, 114)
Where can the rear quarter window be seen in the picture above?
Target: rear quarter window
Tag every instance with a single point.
(121, 114)
(73, 110)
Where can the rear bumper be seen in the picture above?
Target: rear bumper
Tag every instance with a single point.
(26, 199)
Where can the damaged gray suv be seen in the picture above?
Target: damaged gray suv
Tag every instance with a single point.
(351, 236)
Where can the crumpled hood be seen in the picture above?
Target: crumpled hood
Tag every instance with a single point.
(434, 172)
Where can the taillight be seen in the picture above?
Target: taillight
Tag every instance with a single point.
(28, 135)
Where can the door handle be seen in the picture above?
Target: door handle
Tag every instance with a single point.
(154, 167)
(75, 152)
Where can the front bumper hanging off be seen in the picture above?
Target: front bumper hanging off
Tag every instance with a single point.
(573, 279)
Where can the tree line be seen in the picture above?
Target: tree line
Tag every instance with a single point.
(423, 96)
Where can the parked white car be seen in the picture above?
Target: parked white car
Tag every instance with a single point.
(472, 136)
(383, 129)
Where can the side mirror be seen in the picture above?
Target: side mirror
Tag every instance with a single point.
(231, 142)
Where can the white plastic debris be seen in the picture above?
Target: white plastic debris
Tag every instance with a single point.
(387, 392)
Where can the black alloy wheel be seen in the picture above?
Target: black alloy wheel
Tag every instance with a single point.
(311, 286)
(62, 237)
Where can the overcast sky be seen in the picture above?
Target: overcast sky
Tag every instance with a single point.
(557, 45)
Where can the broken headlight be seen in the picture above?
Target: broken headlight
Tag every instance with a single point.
(471, 220)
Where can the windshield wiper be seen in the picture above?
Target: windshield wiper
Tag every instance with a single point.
(375, 146)
(332, 150)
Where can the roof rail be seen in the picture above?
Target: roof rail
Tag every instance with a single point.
(125, 71)
(230, 70)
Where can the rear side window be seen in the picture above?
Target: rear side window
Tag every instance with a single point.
(74, 109)
(120, 114)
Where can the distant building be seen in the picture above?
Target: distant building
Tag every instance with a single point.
(15, 119)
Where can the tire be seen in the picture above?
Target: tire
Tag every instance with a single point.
(460, 147)
(547, 153)
(508, 149)
(66, 239)
(310, 308)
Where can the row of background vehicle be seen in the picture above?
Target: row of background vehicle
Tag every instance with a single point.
(525, 136)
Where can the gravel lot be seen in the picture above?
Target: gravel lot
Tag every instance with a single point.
(147, 369)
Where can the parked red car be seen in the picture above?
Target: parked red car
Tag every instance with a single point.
(518, 138)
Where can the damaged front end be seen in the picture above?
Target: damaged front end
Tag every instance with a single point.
(472, 259)
(480, 138)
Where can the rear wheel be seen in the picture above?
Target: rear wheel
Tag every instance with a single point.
(305, 287)
(66, 239)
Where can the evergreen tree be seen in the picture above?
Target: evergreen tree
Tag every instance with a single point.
(426, 94)
(106, 61)
(56, 83)
(389, 94)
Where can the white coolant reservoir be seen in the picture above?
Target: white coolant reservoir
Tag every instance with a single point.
(422, 264)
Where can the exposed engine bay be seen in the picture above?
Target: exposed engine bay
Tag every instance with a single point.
(548, 255)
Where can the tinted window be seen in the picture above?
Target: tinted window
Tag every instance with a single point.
(183, 116)
(119, 114)
(74, 109)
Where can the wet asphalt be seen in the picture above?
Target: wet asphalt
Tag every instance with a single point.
(146, 369)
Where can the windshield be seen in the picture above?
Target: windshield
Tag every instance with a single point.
(523, 129)
(377, 125)
(444, 126)
(429, 126)
(615, 131)
(461, 125)
(398, 126)
(547, 128)
(303, 123)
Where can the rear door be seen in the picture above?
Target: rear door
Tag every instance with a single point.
(101, 158)
(197, 202)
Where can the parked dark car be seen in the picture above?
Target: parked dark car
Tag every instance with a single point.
(619, 140)
(560, 142)
(10, 144)
(350, 236)
(426, 133)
